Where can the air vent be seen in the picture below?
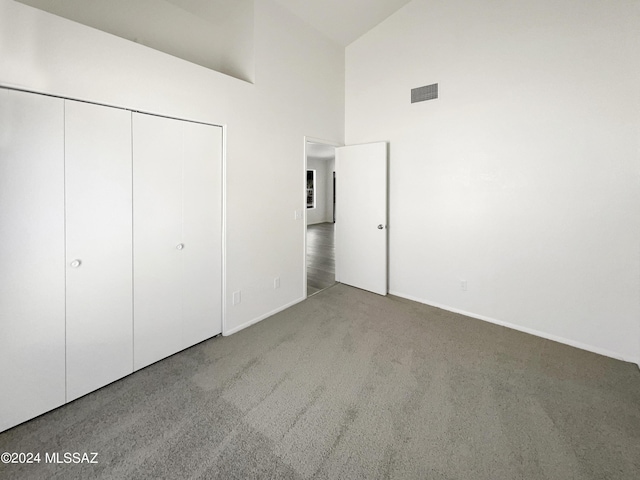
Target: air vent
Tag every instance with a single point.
(428, 92)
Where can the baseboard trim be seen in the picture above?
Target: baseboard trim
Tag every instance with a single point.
(531, 331)
(262, 317)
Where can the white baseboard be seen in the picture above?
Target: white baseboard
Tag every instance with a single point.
(537, 333)
(261, 317)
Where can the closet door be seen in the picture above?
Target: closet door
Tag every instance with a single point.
(99, 246)
(177, 235)
(202, 224)
(32, 310)
(157, 238)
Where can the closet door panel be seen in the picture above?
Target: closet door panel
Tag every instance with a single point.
(32, 310)
(157, 236)
(202, 222)
(99, 237)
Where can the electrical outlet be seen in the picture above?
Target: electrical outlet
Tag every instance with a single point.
(276, 282)
(463, 285)
(237, 297)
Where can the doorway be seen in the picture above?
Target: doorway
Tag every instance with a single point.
(319, 177)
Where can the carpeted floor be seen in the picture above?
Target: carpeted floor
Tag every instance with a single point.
(350, 385)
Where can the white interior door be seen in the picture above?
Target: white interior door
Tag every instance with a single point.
(157, 238)
(361, 216)
(99, 246)
(202, 236)
(32, 316)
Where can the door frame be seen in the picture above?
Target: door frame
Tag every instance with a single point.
(303, 194)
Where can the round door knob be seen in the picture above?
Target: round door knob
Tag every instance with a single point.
(380, 227)
(180, 246)
(76, 263)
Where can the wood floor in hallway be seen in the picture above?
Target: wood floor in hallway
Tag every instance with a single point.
(321, 258)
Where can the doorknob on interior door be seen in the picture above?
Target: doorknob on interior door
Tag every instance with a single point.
(180, 246)
(380, 227)
(76, 263)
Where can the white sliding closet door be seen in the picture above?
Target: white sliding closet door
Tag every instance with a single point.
(32, 311)
(202, 224)
(99, 246)
(157, 215)
(177, 221)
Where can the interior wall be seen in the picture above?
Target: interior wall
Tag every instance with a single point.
(522, 178)
(319, 213)
(298, 91)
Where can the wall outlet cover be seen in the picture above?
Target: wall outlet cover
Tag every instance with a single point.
(237, 297)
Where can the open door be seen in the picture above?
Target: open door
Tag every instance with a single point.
(361, 216)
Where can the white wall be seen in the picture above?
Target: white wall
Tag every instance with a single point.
(319, 213)
(217, 34)
(522, 178)
(298, 91)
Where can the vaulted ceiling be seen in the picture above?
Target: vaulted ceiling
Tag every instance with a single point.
(343, 20)
(217, 34)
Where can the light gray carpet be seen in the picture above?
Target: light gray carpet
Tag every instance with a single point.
(350, 385)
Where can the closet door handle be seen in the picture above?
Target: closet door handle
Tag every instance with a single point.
(76, 263)
(180, 246)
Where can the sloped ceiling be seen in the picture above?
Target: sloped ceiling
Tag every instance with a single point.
(343, 21)
(217, 34)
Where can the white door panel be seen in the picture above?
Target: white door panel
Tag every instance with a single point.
(202, 307)
(157, 219)
(361, 216)
(32, 311)
(99, 235)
